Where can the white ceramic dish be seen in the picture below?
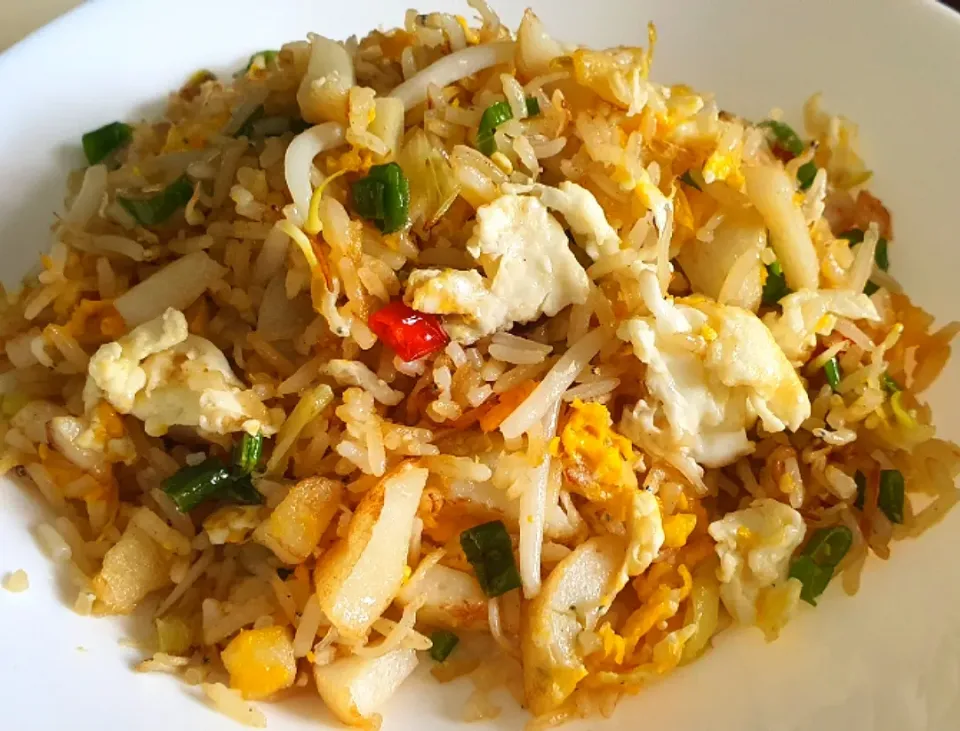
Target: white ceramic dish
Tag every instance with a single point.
(885, 660)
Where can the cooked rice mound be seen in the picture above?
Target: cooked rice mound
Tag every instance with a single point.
(475, 349)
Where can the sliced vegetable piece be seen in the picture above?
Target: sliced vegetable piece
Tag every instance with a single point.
(854, 236)
(882, 255)
(355, 687)
(101, 142)
(775, 288)
(815, 565)
(784, 136)
(268, 57)
(832, 371)
(861, 480)
(158, 208)
(889, 384)
(383, 197)
(489, 550)
(495, 115)
(247, 452)
(241, 490)
(246, 129)
(805, 175)
(688, 178)
(191, 485)
(443, 643)
(361, 574)
(410, 334)
(892, 495)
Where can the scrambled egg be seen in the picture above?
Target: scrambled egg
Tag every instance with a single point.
(528, 267)
(809, 313)
(712, 369)
(164, 376)
(260, 661)
(231, 523)
(598, 461)
(582, 213)
(644, 533)
(755, 546)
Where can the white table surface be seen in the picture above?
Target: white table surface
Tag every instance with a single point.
(20, 17)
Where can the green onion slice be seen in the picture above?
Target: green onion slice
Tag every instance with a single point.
(891, 497)
(100, 143)
(246, 129)
(158, 208)
(854, 236)
(870, 287)
(805, 175)
(861, 480)
(490, 552)
(268, 57)
(786, 139)
(194, 484)
(495, 115)
(383, 197)
(247, 453)
(889, 384)
(688, 178)
(775, 288)
(832, 370)
(443, 644)
(882, 255)
(815, 565)
(241, 490)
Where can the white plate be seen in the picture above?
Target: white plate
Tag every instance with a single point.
(886, 660)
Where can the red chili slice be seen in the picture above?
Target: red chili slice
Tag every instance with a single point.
(411, 334)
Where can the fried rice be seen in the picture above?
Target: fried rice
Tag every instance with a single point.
(456, 346)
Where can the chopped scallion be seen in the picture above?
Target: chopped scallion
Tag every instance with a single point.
(241, 490)
(246, 129)
(891, 497)
(383, 197)
(854, 236)
(247, 453)
(268, 57)
(832, 370)
(158, 208)
(882, 255)
(775, 288)
(815, 565)
(688, 178)
(805, 175)
(193, 484)
(101, 142)
(785, 138)
(888, 384)
(495, 115)
(869, 288)
(861, 480)
(443, 643)
(489, 550)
